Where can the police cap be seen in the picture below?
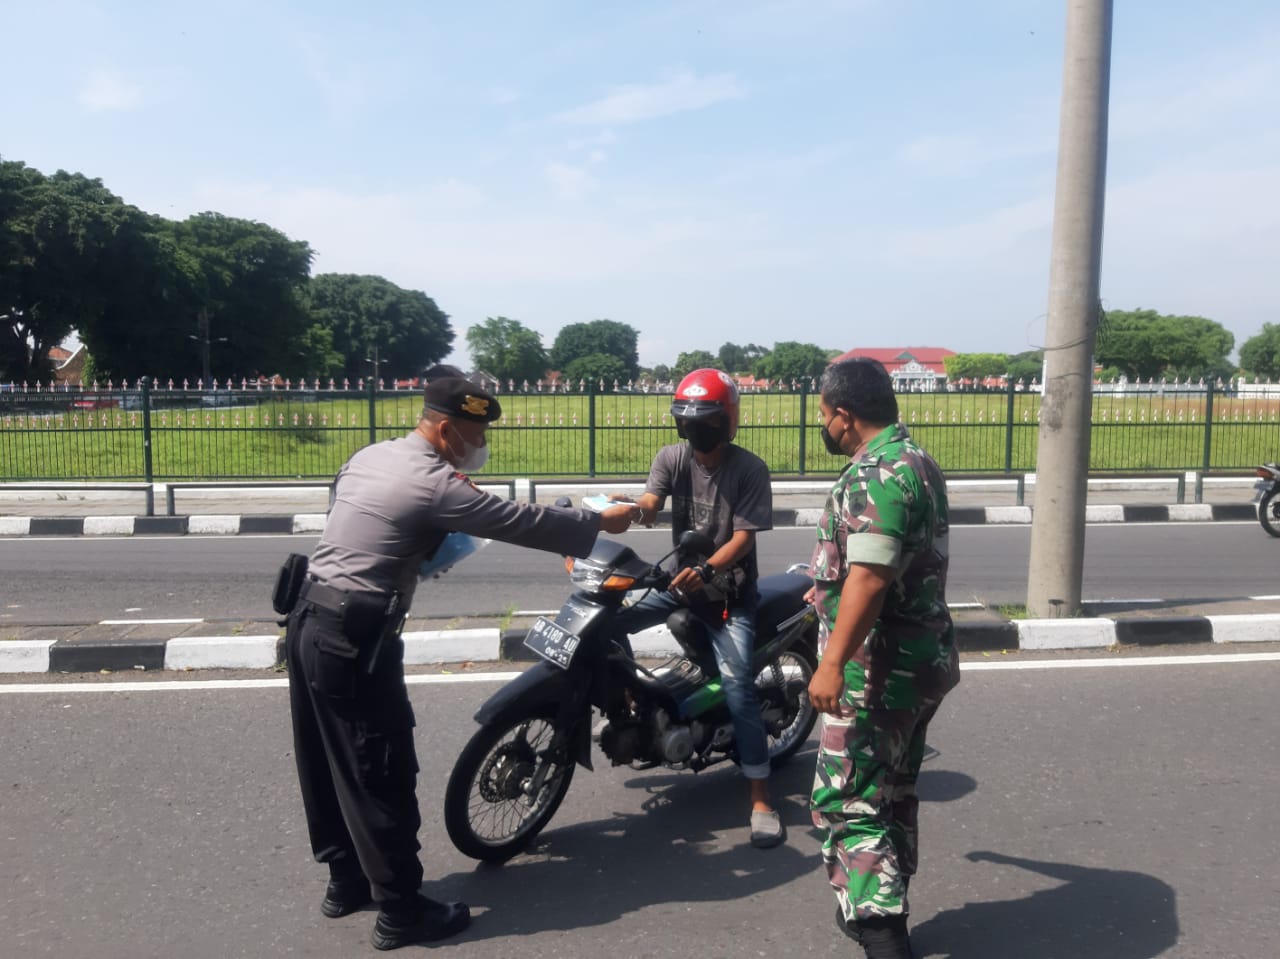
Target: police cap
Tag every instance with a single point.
(451, 393)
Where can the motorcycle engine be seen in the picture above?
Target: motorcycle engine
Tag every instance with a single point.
(620, 742)
(676, 745)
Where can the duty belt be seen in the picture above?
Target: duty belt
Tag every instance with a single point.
(337, 601)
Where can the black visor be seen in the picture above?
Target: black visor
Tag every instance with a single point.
(694, 409)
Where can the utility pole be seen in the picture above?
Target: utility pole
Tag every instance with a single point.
(1062, 464)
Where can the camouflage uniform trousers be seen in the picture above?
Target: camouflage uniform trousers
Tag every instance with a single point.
(864, 798)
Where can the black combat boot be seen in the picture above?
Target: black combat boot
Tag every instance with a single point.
(419, 920)
(884, 937)
(850, 929)
(348, 890)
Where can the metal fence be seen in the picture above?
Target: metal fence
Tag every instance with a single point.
(142, 432)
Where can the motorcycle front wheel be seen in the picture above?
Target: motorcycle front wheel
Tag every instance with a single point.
(491, 808)
(783, 687)
(1269, 511)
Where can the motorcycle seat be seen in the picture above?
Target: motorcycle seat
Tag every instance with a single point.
(781, 596)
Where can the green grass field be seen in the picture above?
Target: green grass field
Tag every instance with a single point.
(606, 435)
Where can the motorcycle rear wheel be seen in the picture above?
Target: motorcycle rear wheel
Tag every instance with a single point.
(1269, 511)
(796, 667)
(487, 810)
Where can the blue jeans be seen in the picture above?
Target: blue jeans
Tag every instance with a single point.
(733, 644)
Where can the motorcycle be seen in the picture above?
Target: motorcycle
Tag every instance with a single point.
(512, 775)
(1265, 490)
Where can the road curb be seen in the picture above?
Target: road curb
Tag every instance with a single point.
(312, 523)
(434, 647)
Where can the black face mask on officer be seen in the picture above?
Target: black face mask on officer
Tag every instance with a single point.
(702, 435)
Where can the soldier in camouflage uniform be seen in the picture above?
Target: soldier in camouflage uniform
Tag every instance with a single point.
(887, 651)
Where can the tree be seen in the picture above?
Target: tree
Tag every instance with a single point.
(599, 337)
(738, 359)
(1026, 366)
(146, 322)
(1260, 354)
(57, 236)
(507, 349)
(1146, 345)
(319, 359)
(245, 287)
(595, 368)
(142, 291)
(791, 361)
(686, 363)
(975, 366)
(375, 322)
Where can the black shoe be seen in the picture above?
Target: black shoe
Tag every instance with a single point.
(344, 896)
(885, 937)
(427, 922)
(850, 929)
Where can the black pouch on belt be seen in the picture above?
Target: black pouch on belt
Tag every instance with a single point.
(289, 583)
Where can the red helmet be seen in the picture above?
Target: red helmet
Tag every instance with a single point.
(704, 394)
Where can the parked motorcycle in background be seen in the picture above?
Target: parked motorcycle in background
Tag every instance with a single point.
(1266, 493)
(511, 777)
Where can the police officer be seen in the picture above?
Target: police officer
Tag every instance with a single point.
(393, 503)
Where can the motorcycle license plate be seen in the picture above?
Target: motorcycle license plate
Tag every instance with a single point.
(553, 643)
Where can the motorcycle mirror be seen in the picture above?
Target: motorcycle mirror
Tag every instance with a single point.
(692, 541)
(563, 502)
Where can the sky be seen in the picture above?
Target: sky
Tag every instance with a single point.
(849, 173)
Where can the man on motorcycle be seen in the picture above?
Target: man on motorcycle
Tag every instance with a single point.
(722, 490)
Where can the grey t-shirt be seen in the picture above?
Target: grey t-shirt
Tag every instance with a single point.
(395, 501)
(736, 495)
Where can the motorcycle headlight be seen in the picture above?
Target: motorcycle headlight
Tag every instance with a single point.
(596, 579)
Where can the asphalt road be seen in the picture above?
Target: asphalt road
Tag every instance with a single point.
(1116, 812)
(88, 579)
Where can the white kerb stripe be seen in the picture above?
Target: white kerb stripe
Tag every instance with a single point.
(213, 524)
(220, 652)
(25, 655)
(108, 526)
(1242, 628)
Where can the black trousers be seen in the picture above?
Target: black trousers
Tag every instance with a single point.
(353, 741)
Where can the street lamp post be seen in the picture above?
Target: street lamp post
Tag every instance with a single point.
(204, 339)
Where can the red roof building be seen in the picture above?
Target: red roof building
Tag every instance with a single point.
(915, 369)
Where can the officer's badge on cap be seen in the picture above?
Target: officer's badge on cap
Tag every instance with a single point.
(451, 393)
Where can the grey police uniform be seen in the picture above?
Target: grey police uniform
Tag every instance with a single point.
(393, 504)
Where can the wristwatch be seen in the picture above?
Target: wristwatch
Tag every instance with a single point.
(705, 572)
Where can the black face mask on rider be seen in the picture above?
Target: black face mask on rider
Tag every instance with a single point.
(703, 437)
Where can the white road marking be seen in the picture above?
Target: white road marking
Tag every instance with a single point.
(146, 622)
(1209, 659)
(424, 679)
(200, 685)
